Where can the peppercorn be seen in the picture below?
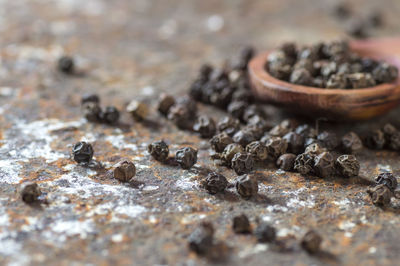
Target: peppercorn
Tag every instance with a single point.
(186, 157)
(301, 76)
(222, 97)
(257, 150)
(304, 163)
(265, 233)
(388, 130)
(329, 69)
(329, 140)
(315, 149)
(256, 130)
(351, 143)
(230, 151)
(306, 131)
(387, 179)
(244, 137)
(237, 108)
(347, 165)
(289, 49)
(246, 186)
(242, 95)
(324, 164)
(205, 71)
(276, 146)
(228, 125)
(342, 11)
(124, 171)
(295, 142)
(181, 115)
(215, 183)
(394, 142)
(201, 239)
(242, 163)
(375, 139)
(282, 129)
(259, 122)
(385, 73)
(93, 98)
(220, 141)
(252, 110)
(241, 224)
(66, 64)
(82, 152)
(286, 161)
(158, 150)
(380, 195)
(92, 111)
(30, 192)
(165, 102)
(279, 57)
(196, 89)
(139, 110)
(361, 80)
(205, 126)
(375, 19)
(110, 115)
(357, 28)
(337, 81)
(311, 242)
(279, 70)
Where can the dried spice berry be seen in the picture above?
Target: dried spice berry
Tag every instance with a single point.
(186, 157)
(252, 110)
(220, 141)
(124, 171)
(342, 11)
(110, 115)
(380, 195)
(375, 19)
(315, 149)
(311, 242)
(242, 163)
(348, 166)
(265, 233)
(286, 161)
(283, 128)
(394, 142)
(301, 77)
(82, 152)
(289, 49)
(361, 80)
(329, 140)
(351, 143)
(324, 164)
(387, 179)
(385, 73)
(201, 239)
(245, 55)
(196, 89)
(375, 139)
(158, 150)
(295, 142)
(92, 111)
(276, 146)
(215, 183)
(66, 64)
(257, 150)
(241, 224)
(306, 131)
(205, 126)
(337, 81)
(304, 163)
(230, 151)
(357, 28)
(165, 102)
(244, 137)
(205, 71)
(139, 110)
(92, 98)
(181, 115)
(280, 70)
(30, 192)
(228, 125)
(246, 186)
(237, 108)
(388, 130)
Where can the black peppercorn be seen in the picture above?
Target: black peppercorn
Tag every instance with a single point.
(375, 139)
(301, 76)
(66, 64)
(82, 152)
(283, 128)
(295, 142)
(315, 149)
(242, 163)
(92, 111)
(220, 141)
(138, 110)
(110, 115)
(158, 150)
(165, 102)
(244, 137)
(329, 140)
(311, 242)
(265, 233)
(380, 195)
(124, 171)
(30, 192)
(304, 163)
(252, 110)
(385, 73)
(186, 157)
(257, 150)
(276, 146)
(230, 151)
(361, 80)
(387, 179)
(394, 142)
(286, 161)
(280, 70)
(342, 11)
(351, 143)
(229, 125)
(205, 71)
(337, 81)
(205, 126)
(324, 164)
(347, 165)
(93, 98)
(215, 183)
(237, 108)
(388, 130)
(246, 186)
(241, 224)
(182, 117)
(306, 131)
(201, 239)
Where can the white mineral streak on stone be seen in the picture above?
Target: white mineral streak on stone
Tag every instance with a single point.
(87, 7)
(8, 91)
(343, 204)
(294, 200)
(384, 168)
(25, 53)
(132, 211)
(193, 217)
(150, 188)
(185, 183)
(215, 23)
(346, 225)
(372, 250)
(248, 251)
(285, 232)
(62, 27)
(168, 29)
(73, 228)
(117, 141)
(277, 208)
(9, 171)
(117, 238)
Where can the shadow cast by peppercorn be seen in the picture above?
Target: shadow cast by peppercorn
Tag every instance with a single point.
(326, 257)
(151, 124)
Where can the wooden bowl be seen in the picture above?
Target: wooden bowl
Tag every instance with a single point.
(337, 104)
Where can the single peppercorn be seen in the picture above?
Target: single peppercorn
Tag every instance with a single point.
(220, 141)
(124, 171)
(92, 111)
(181, 115)
(295, 142)
(361, 80)
(201, 239)
(30, 192)
(324, 164)
(315, 149)
(244, 137)
(252, 110)
(347, 165)
(91, 97)
(276, 146)
(380, 195)
(385, 73)
(337, 81)
(242, 163)
(241, 224)
(186, 157)
(311, 242)
(351, 143)
(165, 102)
(215, 183)
(82, 152)
(265, 233)
(388, 130)
(286, 161)
(205, 126)
(329, 140)
(375, 139)
(394, 141)
(158, 150)
(139, 110)
(110, 115)
(304, 163)
(237, 108)
(66, 64)
(257, 150)
(246, 186)
(387, 179)
(230, 151)
(228, 125)
(283, 128)
(306, 131)
(301, 76)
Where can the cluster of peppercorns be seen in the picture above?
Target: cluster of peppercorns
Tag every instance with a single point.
(386, 137)
(185, 157)
(383, 190)
(328, 65)
(93, 112)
